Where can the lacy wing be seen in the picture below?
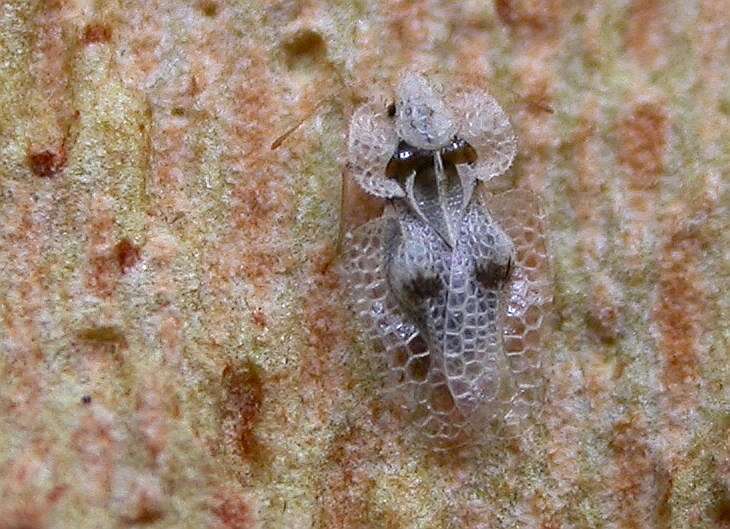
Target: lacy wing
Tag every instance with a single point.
(415, 379)
(527, 298)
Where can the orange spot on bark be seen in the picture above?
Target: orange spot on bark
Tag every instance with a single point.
(262, 201)
(344, 500)
(47, 164)
(258, 318)
(534, 15)
(721, 509)
(126, 254)
(261, 204)
(56, 493)
(635, 476)
(24, 518)
(646, 31)
(208, 8)
(102, 269)
(52, 62)
(151, 416)
(233, 511)
(258, 262)
(259, 201)
(97, 443)
(97, 32)
(538, 99)
(243, 397)
(680, 309)
(324, 311)
(506, 12)
(103, 275)
(643, 136)
(106, 267)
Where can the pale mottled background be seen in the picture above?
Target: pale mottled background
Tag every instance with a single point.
(175, 349)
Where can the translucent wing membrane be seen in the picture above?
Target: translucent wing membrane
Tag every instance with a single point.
(527, 298)
(485, 377)
(372, 141)
(415, 376)
(460, 336)
(483, 123)
(474, 363)
(363, 268)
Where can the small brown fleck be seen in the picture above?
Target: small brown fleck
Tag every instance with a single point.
(241, 408)
(636, 469)
(103, 334)
(645, 37)
(97, 32)
(720, 508)
(344, 502)
(148, 512)
(323, 320)
(604, 314)
(643, 136)
(534, 16)
(304, 47)
(233, 511)
(126, 254)
(47, 164)
(505, 12)
(679, 312)
(209, 8)
(258, 317)
(102, 274)
(56, 493)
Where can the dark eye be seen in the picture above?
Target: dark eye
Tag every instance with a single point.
(405, 160)
(459, 151)
(391, 110)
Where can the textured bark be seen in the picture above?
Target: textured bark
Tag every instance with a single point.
(175, 348)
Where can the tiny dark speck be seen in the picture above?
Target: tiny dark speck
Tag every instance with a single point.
(86, 399)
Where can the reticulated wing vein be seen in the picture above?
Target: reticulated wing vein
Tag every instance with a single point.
(473, 357)
(486, 127)
(416, 379)
(372, 141)
(527, 298)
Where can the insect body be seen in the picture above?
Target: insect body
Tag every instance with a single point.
(437, 278)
